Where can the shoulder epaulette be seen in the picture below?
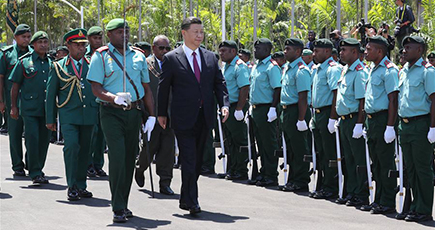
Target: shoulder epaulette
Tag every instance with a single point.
(102, 48)
(67, 61)
(426, 64)
(239, 62)
(86, 60)
(332, 63)
(24, 55)
(6, 48)
(301, 65)
(138, 49)
(274, 62)
(359, 67)
(388, 64)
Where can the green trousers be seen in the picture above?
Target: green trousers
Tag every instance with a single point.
(266, 137)
(383, 160)
(77, 142)
(417, 155)
(236, 135)
(98, 145)
(121, 130)
(297, 146)
(37, 139)
(326, 150)
(15, 133)
(353, 150)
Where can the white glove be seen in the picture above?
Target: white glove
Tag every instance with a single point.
(431, 135)
(149, 126)
(311, 125)
(332, 125)
(357, 131)
(389, 134)
(271, 115)
(238, 114)
(122, 98)
(302, 125)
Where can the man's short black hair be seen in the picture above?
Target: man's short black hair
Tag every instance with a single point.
(185, 25)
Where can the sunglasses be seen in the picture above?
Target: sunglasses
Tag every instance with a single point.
(161, 48)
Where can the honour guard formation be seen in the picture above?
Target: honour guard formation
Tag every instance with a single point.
(336, 118)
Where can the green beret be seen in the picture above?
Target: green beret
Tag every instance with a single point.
(116, 23)
(431, 55)
(278, 54)
(413, 39)
(323, 43)
(294, 42)
(307, 52)
(95, 30)
(245, 52)
(21, 29)
(38, 35)
(229, 44)
(378, 40)
(63, 48)
(349, 42)
(75, 35)
(263, 41)
(143, 45)
(334, 51)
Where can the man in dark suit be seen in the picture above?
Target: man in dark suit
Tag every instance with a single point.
(195, 78)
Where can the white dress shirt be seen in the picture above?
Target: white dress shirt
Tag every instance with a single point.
(189, 56)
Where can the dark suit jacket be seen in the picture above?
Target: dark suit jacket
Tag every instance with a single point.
(187, 93)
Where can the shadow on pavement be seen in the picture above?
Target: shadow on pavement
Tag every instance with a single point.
(160, 196)
(5, 196)
(106, 178)
(19, 178)
(46, 186)
(140, 223)
(212, 216)
(91, 202)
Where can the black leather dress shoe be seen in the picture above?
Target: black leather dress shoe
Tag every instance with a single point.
(73, 194)
(119, 216)
(19, 172)
(83, 193)
(287, 187)
(343, 200)
(368, 207)
(236, 176)
(221, 175)
(322, 194)
(166, 190)
(100, 172)
(183, 206)
(91, 171)
(139, 177)
(206, 171)
(39, 180)
(267, 183)
(128, 213)
(355, 201)
(402, 215)
(382, 210)
(194, 209)
(417, 217)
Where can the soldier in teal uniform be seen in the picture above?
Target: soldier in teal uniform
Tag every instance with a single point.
(29, 78)
(417, 126)
(431, 58)
(264, 96)
(350, 106)
(295, 91)
(245, 55)
(77, 111)
(279, 58)
(381, 107)
(236, 74)
(98, 144)
(119, 114)
(8, 60)
(325, 76)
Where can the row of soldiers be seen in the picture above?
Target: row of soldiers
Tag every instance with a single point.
(355, 105)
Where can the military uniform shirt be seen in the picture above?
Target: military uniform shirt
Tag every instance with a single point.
(236, 75)
(296, 78)
(265, 77)
(8, 60)
(104, 70)
(416, 84)
(325, 77)
(383, 79)
(31, 72)
(351, 88)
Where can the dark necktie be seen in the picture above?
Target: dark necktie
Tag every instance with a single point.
(196, 68)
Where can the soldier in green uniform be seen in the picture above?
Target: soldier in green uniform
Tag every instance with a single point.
(295, 91)
(381, 107)
(8, 60)
(325, 76)
(236, 74)
(77, 111)
(431, 58)
(29, 78)
(98, 144)
(61, 52)
(349, 106)
(264, 96)
(119, 114)
(417, 126)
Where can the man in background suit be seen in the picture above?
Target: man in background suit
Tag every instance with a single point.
(195, 78)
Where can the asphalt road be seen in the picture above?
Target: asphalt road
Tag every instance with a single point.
(225, 205)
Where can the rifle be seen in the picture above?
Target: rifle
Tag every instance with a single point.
(340, 172)
(369, 173)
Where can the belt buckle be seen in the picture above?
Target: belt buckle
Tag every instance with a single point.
(317, 110)
(254, 106)
(284, 106)
(350, 115)
(343, 118)
(369, 116)
(405, 120)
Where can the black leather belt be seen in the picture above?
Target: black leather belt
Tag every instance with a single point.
(372, 115)
(133, 104)
(409, 119)
(348, 116)
(289, 106)
(321, 109)
(261, 105)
